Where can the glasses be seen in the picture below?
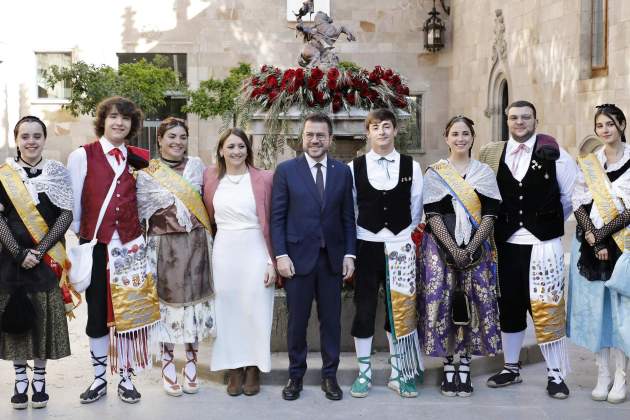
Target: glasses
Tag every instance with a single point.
(318, 136)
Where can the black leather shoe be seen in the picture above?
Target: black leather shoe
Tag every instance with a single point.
(331, 389)
(292, 390)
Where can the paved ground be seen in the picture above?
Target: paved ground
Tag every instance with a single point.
(68, 377)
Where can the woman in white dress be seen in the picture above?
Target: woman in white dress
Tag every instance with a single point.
(238, 198)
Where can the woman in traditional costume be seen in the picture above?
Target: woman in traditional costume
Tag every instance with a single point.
(179, 249)
(238, 198)
(36, 203)
(457, 297)
(599, 290)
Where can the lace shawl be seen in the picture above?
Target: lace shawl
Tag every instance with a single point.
(153, 197)
(620, 189)
(54, 181)
(480, 177)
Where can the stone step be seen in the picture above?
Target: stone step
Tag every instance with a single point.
(348, 366)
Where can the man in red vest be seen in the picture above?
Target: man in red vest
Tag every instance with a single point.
(92, 169)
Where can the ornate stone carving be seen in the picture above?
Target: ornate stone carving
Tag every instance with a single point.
(499, 46)
(319, 37)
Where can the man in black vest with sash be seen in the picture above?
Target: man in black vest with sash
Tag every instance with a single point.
(388, 201)
(535, 178)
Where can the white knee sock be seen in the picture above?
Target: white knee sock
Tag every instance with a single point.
(39, 373)
(124, 365)
(20, 375)
(394, 356)
(99, 348)
(512, 344)
(363, 348)
(464, 366)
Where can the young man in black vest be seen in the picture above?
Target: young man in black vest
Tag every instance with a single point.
(535, 178)
(388, 202)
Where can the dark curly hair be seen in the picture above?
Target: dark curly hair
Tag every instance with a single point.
(123, 105)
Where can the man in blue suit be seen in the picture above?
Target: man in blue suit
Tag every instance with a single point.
(313, 234)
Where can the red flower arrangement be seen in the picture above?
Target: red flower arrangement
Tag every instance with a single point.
(335, 88)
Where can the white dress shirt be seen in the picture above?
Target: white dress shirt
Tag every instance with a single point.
(311, 164)
(77, 166)
(566, 172)
(383, 176)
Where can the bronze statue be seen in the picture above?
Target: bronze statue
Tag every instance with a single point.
(319, 38)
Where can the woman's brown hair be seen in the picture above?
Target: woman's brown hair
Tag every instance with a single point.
(249, 160)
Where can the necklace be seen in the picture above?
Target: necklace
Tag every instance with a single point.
(238, 180)
(32, 168)
(170, 163)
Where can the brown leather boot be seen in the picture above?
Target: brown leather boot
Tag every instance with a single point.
(252, 380)
(235, 382)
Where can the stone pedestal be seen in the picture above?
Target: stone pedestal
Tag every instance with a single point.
(348, 129)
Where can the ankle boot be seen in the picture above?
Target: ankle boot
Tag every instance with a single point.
(252, 380)
(235, 382)
(617, 393)
(600, 392)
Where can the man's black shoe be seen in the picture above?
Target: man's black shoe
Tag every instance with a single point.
(331, 389)
(292, 390)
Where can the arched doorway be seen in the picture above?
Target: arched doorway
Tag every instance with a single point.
(504, 101)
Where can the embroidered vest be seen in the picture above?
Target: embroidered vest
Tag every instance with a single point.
(122, 212)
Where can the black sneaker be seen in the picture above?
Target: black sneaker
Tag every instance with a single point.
(508, 376)
(557, 390)
(90, 395)
(130, 396)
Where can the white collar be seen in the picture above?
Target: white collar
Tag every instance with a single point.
(513, 144)
(392, 156)
(107, 146)
(311, 162)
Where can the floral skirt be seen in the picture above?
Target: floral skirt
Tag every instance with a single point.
(48, 339)
(439, 336)
(186, 324)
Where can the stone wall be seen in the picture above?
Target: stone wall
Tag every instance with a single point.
(544, 63)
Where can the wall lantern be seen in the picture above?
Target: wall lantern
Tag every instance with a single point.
(433, 31)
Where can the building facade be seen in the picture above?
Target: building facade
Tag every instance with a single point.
(565, 56)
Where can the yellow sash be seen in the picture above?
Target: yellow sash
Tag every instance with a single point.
(598, 182)
(180, 188)
(32, 219)
(463, 191)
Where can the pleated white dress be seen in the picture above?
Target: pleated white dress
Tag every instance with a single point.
(243, 305)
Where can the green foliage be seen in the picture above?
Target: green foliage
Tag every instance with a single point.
(348, 65)
(144, 83)
(217, 98)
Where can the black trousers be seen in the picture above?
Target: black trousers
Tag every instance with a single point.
(514, 301)
(96, 295)
(325, 287)
(368, 278)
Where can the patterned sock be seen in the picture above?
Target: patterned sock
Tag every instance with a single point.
(20, 375)
(39, 374)
(98, 349)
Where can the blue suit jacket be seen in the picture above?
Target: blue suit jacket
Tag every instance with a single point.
(299, 217)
